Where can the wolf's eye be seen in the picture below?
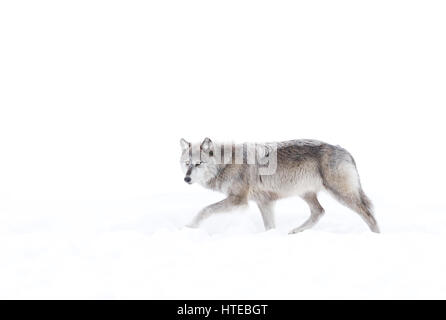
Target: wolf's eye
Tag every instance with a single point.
(187, 163)
(198, 163)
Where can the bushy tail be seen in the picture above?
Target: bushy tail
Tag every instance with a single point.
(341, 179)
(366, 202)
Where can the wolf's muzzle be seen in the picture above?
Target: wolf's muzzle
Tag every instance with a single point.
(187, 177)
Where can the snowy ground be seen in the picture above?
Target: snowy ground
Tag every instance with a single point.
(138, 248)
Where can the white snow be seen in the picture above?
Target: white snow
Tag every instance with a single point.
(139, 249)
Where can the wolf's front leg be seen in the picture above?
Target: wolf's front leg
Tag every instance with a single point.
(228, 204)
(267, 211)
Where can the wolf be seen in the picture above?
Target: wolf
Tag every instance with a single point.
(302, 168)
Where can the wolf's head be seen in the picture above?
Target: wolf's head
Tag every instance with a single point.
(198, 161)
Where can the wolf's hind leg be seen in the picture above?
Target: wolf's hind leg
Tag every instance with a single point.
(316, 212)
(267, 211)
(225, 205)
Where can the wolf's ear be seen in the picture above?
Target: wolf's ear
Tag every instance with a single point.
(184, 144)
(208, 146)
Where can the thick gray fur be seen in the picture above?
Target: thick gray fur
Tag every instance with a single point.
(304, 168)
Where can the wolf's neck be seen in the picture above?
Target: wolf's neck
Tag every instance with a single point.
(213, 182)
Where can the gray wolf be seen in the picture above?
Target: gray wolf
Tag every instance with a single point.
(301, 168)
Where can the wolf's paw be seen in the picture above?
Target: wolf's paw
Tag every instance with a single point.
(192, 225)
(296, 230)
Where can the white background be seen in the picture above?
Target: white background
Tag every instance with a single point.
(95, 95)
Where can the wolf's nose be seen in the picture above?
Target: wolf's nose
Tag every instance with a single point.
(187, 179)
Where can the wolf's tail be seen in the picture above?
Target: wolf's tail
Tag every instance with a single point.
(341, 179)
(366, 202)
